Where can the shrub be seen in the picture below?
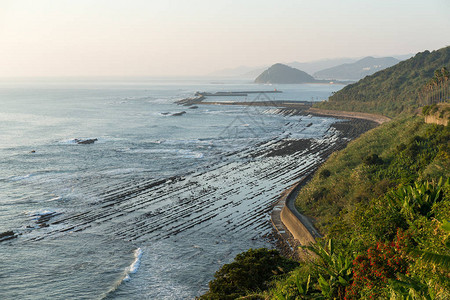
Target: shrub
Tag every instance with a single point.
(373, 159)
(372, 271)
(250, 271)
(325, 173)
(426, 110)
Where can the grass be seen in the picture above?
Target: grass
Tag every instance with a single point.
(354, 178)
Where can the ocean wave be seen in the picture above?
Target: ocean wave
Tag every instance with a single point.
(54, 199)
(123, 171)
(163, 100)
(237, 112)
(178, 152)
(20, 177)
(40, 212)
(69, 141)
(149, 151)
(204, 141)
(190, 154)
(131, 269)
(134, 267)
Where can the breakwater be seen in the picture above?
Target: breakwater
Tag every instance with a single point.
(237, 93)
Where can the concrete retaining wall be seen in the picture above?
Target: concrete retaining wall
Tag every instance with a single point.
(286, 217)
(295, 227)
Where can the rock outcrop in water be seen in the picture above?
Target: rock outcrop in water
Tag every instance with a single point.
(279, 73)
(7, 235)
(179, 113)
(85, 142)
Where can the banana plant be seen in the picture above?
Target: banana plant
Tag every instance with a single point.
(441, 260)
(410, 288)
(335, 270)
(302, 288)
(417, 198)
(407, 288)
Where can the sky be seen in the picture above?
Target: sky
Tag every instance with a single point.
(195, 37)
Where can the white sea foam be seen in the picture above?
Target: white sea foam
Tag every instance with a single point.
(18, 178)
(163, 100)
(74, 141)
(69, 141)
(190, 154)
(122, 171)
(134, 267)
(206, 141)
(40, 212)
(54, 199)
(180, 152)
(144, 151)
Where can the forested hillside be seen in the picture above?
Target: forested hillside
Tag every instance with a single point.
(357, 70)
(394, 90)
(279, 73)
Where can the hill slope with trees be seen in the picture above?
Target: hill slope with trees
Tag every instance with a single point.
(279, 73)
(394, 90)
(357, 70)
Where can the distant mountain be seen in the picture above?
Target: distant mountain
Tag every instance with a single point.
(403, 56)
(254, 73)
(279, 73)
(309, 67)
(357, 70)
(393, 90)
(313, 66)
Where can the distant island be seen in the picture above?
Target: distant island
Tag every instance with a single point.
(357, 70)
(279, 73)
(284, 74)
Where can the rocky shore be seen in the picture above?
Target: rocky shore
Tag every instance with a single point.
(291, 228)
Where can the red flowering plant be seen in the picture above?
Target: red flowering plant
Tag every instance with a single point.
(382, 262)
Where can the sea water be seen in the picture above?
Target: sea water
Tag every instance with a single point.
(158, 203)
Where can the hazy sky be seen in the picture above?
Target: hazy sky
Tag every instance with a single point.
(194, 37)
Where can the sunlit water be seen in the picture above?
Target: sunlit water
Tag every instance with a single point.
(155, 206)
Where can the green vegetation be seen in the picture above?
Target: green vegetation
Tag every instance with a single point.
(398, 152)
(400, 88)
(437, 89)
(250, 271)
(440, 112)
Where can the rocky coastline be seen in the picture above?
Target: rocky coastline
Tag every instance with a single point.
(292, 229)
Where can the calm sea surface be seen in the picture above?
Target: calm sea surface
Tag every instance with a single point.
(155, 206)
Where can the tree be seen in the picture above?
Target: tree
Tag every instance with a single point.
(250, 271)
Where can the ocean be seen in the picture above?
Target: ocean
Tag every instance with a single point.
(158, 202)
